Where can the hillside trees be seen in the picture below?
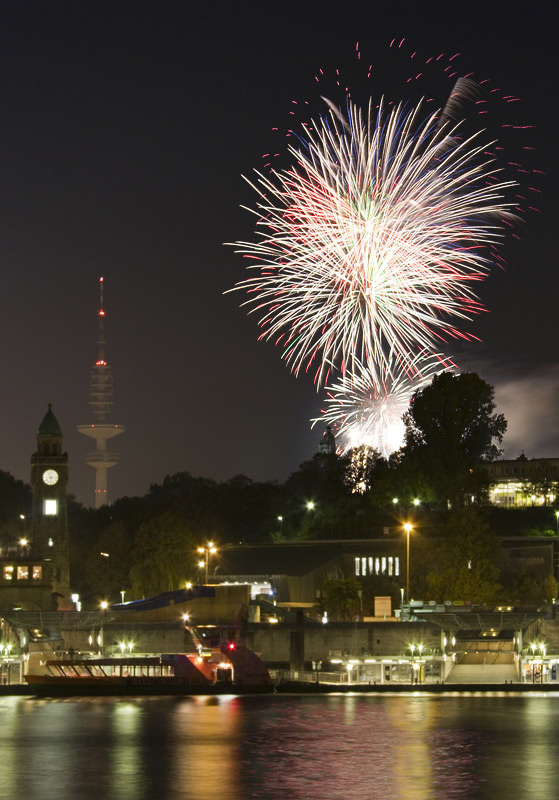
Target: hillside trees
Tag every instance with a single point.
(109, 562)
(163, 556)
(15, 500)
(341, 598)
(466, 563)
(450, 427)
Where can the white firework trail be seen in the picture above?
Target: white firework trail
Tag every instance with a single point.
(368, 247)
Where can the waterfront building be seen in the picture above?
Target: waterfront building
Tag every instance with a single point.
(35, 570)
(520, 482)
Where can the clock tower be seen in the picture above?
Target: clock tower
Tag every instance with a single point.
(49, 517)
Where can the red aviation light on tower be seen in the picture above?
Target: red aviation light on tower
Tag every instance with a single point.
(101, 311)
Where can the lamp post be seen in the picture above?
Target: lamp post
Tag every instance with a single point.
(557, 523)
(408, 527)
(208, 550)
(103, 605)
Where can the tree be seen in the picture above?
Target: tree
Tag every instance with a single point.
(317, 502)
(15, 500)
(534, 590)
(360, 465)
(108, 563)
(163, 556)
(341, 598)
(468, 562)
(450, 428)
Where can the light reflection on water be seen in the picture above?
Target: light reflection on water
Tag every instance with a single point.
(395, 747)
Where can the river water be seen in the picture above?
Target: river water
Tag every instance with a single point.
(338, 747)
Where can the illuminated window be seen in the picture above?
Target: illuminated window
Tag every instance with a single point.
(358, 566)
(8, 573)
(22, 573)
(363, 566)
(51, 508)
(37, 573)
(390, 565)
(396, 566)
(384, 565)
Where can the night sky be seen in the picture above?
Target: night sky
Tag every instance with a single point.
(125, 130)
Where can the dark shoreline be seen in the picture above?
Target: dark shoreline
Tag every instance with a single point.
(287, 687)
(293, 687)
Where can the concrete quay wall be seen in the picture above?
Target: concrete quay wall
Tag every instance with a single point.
(289, 643)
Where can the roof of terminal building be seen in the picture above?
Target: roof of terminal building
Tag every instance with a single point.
(165, 599)
(468, 617)
(55, 620)
(296, 558)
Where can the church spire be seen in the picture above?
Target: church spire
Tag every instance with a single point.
(327, 445)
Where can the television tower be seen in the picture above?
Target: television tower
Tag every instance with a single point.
(101, 402)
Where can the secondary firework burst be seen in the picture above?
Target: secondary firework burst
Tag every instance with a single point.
(369, 247)
(365, 413)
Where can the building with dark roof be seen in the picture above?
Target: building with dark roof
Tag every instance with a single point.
(35, 572)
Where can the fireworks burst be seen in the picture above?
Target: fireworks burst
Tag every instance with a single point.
(365, 413)
(369, 245)
(368, 248)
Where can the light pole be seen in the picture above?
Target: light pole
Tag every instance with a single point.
(557, 523)
(208, 550)
(103, 605)
(408, 527)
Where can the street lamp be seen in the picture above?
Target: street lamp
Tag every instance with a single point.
(310, 505)
(103, 605)
(408, 527)
(208, 550)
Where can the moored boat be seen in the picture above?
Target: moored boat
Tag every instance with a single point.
(230, 669)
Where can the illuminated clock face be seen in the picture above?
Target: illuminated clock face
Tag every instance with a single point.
(50, 477)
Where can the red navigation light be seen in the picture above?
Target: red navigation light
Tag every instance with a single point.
(101, 313)
(231, 645)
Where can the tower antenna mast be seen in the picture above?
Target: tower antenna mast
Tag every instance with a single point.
(101, 403)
